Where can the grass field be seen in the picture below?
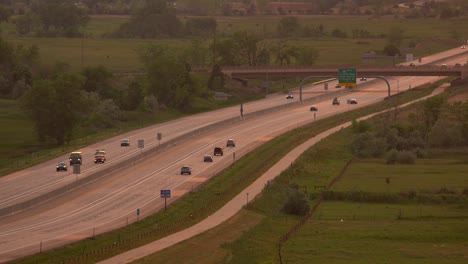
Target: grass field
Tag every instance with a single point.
(120, 55)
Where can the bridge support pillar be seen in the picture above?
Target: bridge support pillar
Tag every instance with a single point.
(464, 73)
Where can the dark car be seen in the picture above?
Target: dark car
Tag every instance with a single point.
(125, 143)
(290, 96)
(61, 166)
(335, 101)
(218, 151)
(208, 158)
(412, 65)
(185, 170)
(230, 143)
(313, 108)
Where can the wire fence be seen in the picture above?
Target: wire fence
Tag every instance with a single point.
(285, 237)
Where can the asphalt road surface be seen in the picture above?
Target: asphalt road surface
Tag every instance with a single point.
(111, 201)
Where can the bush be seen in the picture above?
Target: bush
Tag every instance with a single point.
(296, 203)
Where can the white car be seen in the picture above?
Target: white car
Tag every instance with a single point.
(463, 47)
(290, 96)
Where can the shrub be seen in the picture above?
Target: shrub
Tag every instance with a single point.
(360, 126)
(296, 203)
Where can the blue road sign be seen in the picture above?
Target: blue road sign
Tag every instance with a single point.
(165, 193)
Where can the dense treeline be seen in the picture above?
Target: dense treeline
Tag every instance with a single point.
(443, 9)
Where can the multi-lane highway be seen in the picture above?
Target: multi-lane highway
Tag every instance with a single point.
(110, 201)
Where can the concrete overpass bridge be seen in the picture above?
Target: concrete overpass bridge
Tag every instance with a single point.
(361, 71)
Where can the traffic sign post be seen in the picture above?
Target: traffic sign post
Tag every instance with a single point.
(159, 137)
(76, 170)
(165, 194)
(141, 145)
(347, 76)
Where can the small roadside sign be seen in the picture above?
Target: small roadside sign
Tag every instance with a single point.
(159, 136)
(141, 143)
(76, 169)
(165, 193)
(347, 76)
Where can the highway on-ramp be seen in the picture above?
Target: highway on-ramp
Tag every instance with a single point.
(110, 202)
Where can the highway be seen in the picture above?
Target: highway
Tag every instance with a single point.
(110, 201)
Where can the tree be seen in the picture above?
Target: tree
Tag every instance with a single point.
(284, 53)
(5, 13)
(296, 203)
(154, 20)
(54, 105)
(168, 76)
(15, 67)
(248, 48)
(60, 18)
(287, 26)
(306, 55)
(430, 112)
(99, 79)
(391, 50)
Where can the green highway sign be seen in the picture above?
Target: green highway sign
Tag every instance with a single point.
(347, 76)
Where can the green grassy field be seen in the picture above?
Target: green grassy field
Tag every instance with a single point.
(431, 35)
